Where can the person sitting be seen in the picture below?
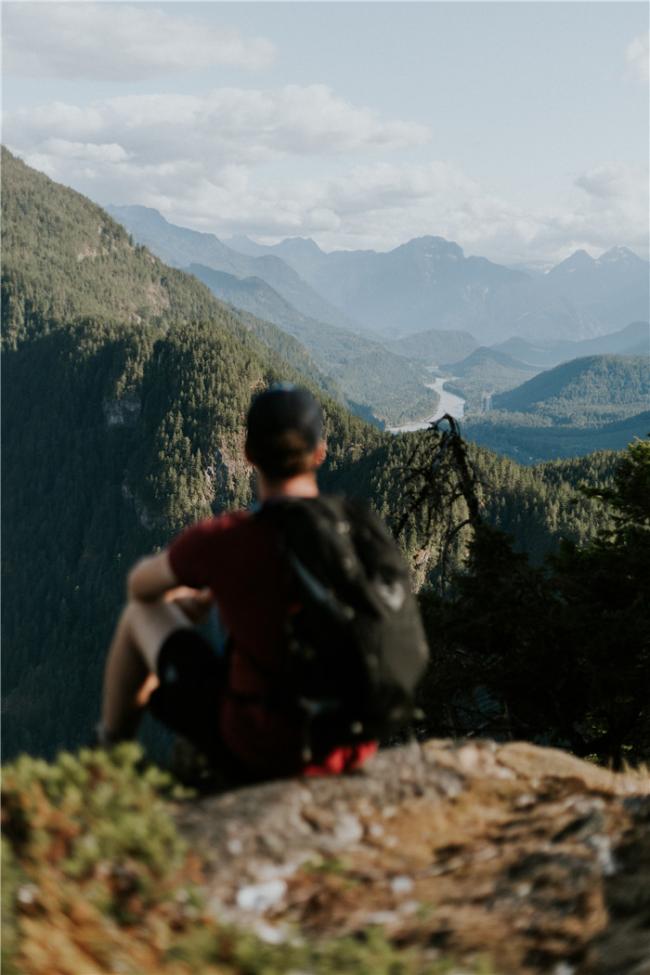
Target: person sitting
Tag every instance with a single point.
(229, 706)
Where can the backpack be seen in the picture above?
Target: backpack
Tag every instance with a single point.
(355, 645)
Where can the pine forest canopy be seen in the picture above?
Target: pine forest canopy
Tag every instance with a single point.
(392, 387)
(591, 403)
(373, 379)
(125, 385)
(603, 383)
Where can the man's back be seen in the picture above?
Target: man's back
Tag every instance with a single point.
(238, 556)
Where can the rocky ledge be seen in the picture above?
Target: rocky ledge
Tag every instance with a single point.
(525, 856)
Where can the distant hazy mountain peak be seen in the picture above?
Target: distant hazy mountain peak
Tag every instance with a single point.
(135, 216)
(434, 247)
(618, 255)
(579, 258)
(427, 282)
(305, 243)
(241, 239)
(136, 209)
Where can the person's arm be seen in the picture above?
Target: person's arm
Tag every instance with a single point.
(151, 578)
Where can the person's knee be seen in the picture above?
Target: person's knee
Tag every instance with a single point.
(127, 613)
(150, 624)
(138, 615)
(131, 611)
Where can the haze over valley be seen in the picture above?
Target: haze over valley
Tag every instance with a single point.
(398, 330)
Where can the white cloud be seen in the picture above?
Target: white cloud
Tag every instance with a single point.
(225, 162)
(637, 56)
(222, 127)
(381, 206)
(613, 206)
(118, 42)
(384, 186)
(615, 181)
(92, 152)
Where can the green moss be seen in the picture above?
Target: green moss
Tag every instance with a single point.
(369, 953)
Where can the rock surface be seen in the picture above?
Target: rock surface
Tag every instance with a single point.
(526, 856)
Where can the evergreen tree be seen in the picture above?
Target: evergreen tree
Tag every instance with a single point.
(559, 655)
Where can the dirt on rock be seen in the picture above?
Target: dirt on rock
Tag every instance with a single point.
(525, 856)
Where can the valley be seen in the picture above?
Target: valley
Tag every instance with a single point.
(447, 403)
(382, 366)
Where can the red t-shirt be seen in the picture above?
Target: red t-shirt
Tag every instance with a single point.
(237, 557)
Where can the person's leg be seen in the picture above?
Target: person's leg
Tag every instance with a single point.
(130, 673)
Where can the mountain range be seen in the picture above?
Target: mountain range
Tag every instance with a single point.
(430, 283)
(375, 380)
(426, 283)
(181, 247)
(634, 339)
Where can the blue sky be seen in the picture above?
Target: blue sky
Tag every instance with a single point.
(520, 130)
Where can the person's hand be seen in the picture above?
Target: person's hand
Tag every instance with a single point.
(195, 603)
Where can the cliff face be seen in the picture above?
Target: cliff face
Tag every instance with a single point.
(521, 855)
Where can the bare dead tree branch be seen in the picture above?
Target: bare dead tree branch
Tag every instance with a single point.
(436, 476)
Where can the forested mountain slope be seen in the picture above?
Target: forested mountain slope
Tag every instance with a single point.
(374, 380)
(392, 387)
(606, 387)
(531, 439)
(486, 371)
(181, 247)
(64, 259)
(125, 390)
(125, 387)
(592, 403)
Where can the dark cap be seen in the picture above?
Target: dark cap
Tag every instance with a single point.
(281, 410)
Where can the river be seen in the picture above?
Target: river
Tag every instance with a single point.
(449, 403)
